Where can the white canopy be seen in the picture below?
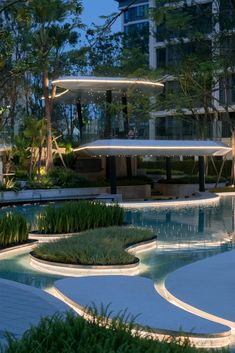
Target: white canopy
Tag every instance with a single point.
(167, 148)
(74, 83)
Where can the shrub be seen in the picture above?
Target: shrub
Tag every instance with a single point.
(10, 185)
(68, 178)
(188, 166)
(43, 183)
(77, 216)
(163, 171)
(191, 179)
(72, 334)
(104, 246)
(13, 229)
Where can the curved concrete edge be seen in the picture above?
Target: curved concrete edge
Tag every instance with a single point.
(79, 270)
(207, 199)
(17, 249)
(41, 237)
(225, 193)
(217, 340)
(199, 341)
(22, 306)
(208, 276)
(166, 294)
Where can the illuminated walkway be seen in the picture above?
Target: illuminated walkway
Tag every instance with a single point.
(22, 306)
(138, 296)
(208, 285)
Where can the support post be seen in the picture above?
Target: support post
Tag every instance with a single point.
(107, 122)
(80, 121)
(126, 130)
(125, 113)
(168, 168)
(201, 172)
(113, 175)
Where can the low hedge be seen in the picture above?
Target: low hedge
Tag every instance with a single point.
(190, 179)
(13, 229)
(73, 334)
(224, 189)
(105, 246)
(77, 216)
(163, 171)
(188, 166)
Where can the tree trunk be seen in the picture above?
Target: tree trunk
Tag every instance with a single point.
(49, 158)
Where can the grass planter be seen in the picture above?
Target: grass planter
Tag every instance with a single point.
(13, 230)
(72, 334)
(103, 248)
(78, 216)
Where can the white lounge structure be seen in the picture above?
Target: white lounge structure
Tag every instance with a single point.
(83, 84)
(158, 148)
(78, 89)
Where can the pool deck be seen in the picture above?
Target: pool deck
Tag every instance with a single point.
(22, 306)
(208, 285)
(206, 198)
(204, 289)
(138, 296)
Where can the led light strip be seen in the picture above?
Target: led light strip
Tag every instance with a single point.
(147, 83)
(102, 147)
(57, 95)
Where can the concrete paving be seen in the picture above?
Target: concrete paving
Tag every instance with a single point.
(138, 296)
(208, 285)
(22, 306)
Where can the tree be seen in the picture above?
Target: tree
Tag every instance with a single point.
(35, 132)
(50, 29)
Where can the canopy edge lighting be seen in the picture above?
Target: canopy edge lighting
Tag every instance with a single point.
(118, 147)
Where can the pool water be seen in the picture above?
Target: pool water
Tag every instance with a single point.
(184, 235)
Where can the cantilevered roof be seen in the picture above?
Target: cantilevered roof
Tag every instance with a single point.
(118, 147)
(74, 83)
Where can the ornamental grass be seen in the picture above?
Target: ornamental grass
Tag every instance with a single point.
(77, 216)
(73, 334)
(104, 246)
(13, 229)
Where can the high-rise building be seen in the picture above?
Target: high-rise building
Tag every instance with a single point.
(210, 18)
(135, 23)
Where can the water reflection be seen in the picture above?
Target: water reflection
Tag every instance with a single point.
(205, 225)
(17, 268)
(184, 236)
(156, 265)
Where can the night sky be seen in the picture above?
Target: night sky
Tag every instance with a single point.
(95, 8)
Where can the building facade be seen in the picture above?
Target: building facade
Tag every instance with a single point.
(135, 23)
(214, 20)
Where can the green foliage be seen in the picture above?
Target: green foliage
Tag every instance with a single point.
(77, 216)
(43, 183)
(191, 179)
(63, 177)
(163, 171)
(9, 185)
(73, 334)
(13, 229)
(104, 246)
(188, 166)
(224, 189)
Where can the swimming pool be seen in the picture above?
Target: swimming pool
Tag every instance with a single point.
(184, 235)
